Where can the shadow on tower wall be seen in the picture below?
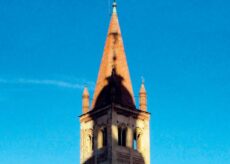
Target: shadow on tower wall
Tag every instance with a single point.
(114, 108)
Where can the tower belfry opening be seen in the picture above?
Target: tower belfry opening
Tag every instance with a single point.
(113, 129)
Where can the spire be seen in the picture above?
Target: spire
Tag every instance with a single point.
(143, 97)
(142, 90)
(113, 57)
(85, 100)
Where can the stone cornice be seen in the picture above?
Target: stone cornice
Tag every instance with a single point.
(95, 113)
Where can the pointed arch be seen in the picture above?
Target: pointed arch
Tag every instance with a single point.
(102, 137)
(122, 135)
(137, 138)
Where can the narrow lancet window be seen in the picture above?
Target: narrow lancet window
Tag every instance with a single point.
(135, 141)
(102, 138)
(122, 136)
(90, 143)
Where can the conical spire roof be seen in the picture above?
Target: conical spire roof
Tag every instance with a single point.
(142, 89)
(113, 58)
(85, 92)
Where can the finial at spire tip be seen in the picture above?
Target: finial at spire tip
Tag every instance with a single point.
(114, 6)
(142, 80)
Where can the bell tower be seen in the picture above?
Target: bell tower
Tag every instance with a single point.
(113, 129)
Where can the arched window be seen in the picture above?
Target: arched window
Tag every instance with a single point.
(90, 140)
(102, 138)
(122, 131)
(137, 139)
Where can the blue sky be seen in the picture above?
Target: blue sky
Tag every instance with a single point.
(50, 49)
